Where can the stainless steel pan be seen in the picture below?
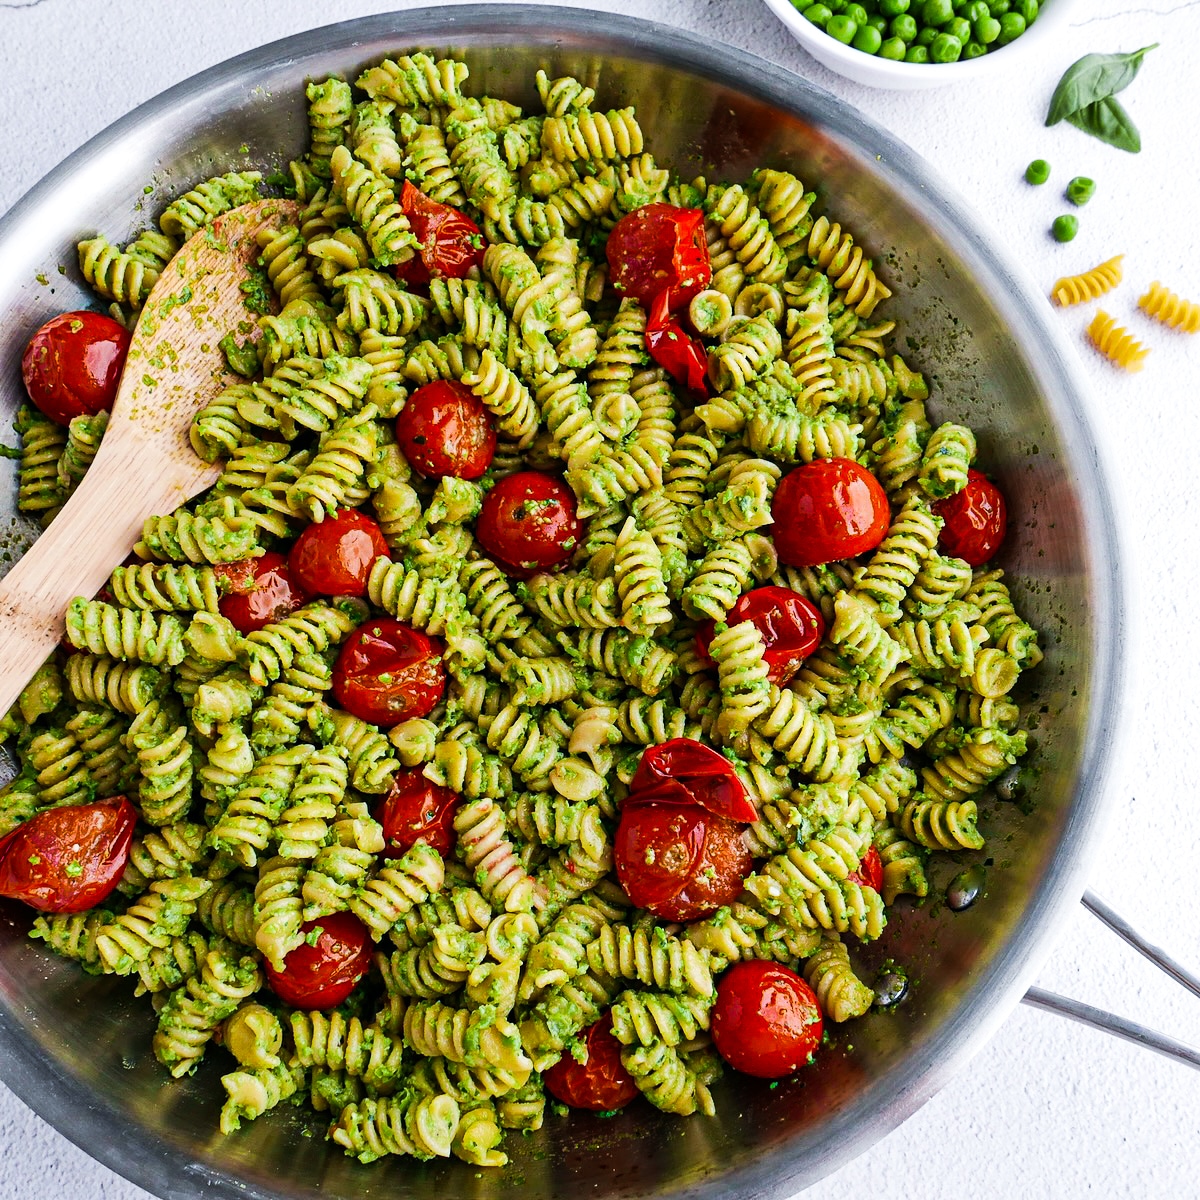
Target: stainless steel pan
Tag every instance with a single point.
(78, 1049)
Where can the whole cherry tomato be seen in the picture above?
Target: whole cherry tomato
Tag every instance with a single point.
(976, 520)
(451, 243)
(444, 429)
(326, 967)
(66, 860)
(766, 1020)
(528, 523)
(828, 509)
(601, 1083)
(73, 363)
(791, 626)
(659, 248)
(334, 556)
(679, 860)
(234, 577)
(686, 771)
(272, 595)
(416, 809)
(388, 672)
(870, 870)
(675, 350)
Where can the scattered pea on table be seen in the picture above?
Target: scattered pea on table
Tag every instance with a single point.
(1065, 228)
(1037, 172)
(1080, 190)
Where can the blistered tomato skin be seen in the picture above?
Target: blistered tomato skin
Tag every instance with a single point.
(388, 672)
(601, 1084)
(444, 429)
(766, 1021)
(701, 775)
(791, 626)
(73, 364)
(327, 966)
(828, 509)
(870, 870)
(528, 523)
(334, 557)
(675, 350)
(271, 596)
(451, 243)
(679, 860)
(976, 521)
(67, 860)
(659, 248)
(417, 809)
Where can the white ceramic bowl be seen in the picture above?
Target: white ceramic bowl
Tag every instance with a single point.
(904, 76)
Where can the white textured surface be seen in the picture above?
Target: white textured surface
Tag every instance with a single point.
(1049, 1108)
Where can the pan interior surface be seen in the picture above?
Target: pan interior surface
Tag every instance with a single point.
(77, 1048)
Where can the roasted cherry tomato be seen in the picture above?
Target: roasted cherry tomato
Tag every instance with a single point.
(870, 870)
(416, 809)
(791, 626)
(273, 594)
(766, 1020)
(451, 243)
(601, 1083)
(326, 967)
(695, 774)
(659, 248)
(976, 520)
(72, 365)
(235, 577)
(445, 430)
(387, 672)
(528, 523)
(334, 556)
(65, 860)
(675, 350)
(828, 509)
(679, 860)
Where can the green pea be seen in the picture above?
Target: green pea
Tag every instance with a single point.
(818, 14)
(936, 12)
(1080, 190)
(868, 40)
(893, 8)
(878, 23)
(986, 30)
(1029, 9)
(905, 28)
(960, 29)
(1012, 25)
(842, 28)
(855, 13)
(838, 6)
(925, 36)
(976, 11)
(917, 54)
(974, 50)
(1065, 228)
(999, 7)
(893, 49)
(945, 48)
(1037, 172)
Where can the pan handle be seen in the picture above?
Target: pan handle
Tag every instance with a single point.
(1109, 1022)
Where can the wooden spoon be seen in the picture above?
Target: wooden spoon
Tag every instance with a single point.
(145, 465)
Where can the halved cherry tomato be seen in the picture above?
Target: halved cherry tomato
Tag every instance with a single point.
(444, 429)
(73, 364)
(236, 577)
(699, 774)
(679, 860)
(675, 350)
(451, 243)
(659, 248)
(388, 672)
(66, 860)
(334, 556)
(870, 870)
(327, 966)
(273, 594)
(976, 520)
(416, 809)
(828, 509)
(791, 626)
(528, 523)
(766, 1020)
(601, 1083)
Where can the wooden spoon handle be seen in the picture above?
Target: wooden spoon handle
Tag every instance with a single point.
(94, 531)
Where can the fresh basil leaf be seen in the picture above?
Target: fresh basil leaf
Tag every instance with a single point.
(1107, 120)
(1093, 78)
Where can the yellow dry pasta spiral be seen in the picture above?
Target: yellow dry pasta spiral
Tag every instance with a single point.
(1164, 305)
(1075, 289)
(1116, 343)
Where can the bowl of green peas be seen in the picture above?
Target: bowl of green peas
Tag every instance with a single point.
(908, 44)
